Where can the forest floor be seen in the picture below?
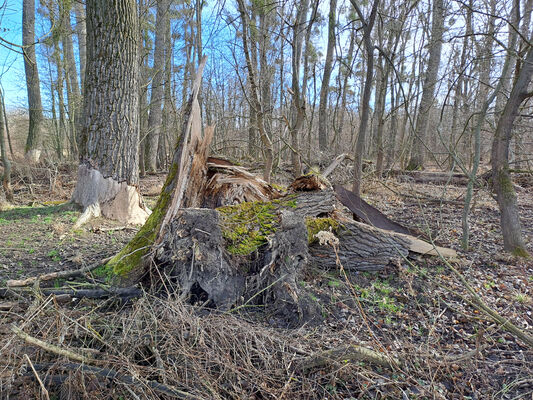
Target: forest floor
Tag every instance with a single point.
(415, 313)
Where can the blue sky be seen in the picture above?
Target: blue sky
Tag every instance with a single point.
(12, 75)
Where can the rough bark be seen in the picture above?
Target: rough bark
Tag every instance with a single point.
(324, 90)
(298, 101)
(429, 86)
(131, 263)
(361, 248)
(155, 118)
(35, 132)
(368, 24)
(81, 32)
(108, 174)
(501, 180)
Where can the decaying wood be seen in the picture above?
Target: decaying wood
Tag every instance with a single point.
(334, 164)
(368, 214)
(307, 183)
(404, 235)
(361, 248)
(229, 184)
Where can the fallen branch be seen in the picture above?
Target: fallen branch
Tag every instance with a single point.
(114, 375)
(344, 354)
(55, 275)
(47, 346)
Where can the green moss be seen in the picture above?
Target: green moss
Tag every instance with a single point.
(246, 226)
(315, 225)
(520, 252)
(131, 255)
(506, 185)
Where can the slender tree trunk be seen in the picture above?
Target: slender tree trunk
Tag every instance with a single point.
(501, 179)
(108, 175)
(429, 86)
(35, 132)
(298, 103)
(156, 99)
(71, 76)
(255, 99)
(81, 32)
(324, 90)
(365, 102)
(486, 101)
(6, 177)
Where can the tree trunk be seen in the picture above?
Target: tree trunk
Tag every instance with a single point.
(156, 98)
(6, 177)
(81, 32)
(108, 174)
(501, 180)
(71, 76)
(367, 91)
(35, 132)
(324, 90)
(429, 86)
(298, 102)
(255, 95)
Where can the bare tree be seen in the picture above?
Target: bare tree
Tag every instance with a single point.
(156, 100)
(368, 24)
(35, 107)
(328, 66)
(501, 179)
(429, 86)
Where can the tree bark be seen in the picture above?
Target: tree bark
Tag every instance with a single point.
(156, 100)
(81, 32)
(35, 132)
(255, 95)
(298, 102)
(429, 86)
(501, 180)
(324, 90)
(108, 174)
(368, 24)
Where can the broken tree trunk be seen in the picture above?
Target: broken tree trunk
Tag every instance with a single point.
(253, 249)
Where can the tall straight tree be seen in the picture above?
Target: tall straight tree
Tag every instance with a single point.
(429, 85)
(108, 174)
(324, 90)
(155, 118)
(298, 102)
(35, 107)
(368, 25)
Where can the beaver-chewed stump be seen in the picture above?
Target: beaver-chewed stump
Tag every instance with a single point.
(255, 253)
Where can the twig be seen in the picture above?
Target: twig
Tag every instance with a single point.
(47, 346)
(45, 392)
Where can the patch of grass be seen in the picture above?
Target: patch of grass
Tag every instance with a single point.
(523, 298)
(54, 255)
